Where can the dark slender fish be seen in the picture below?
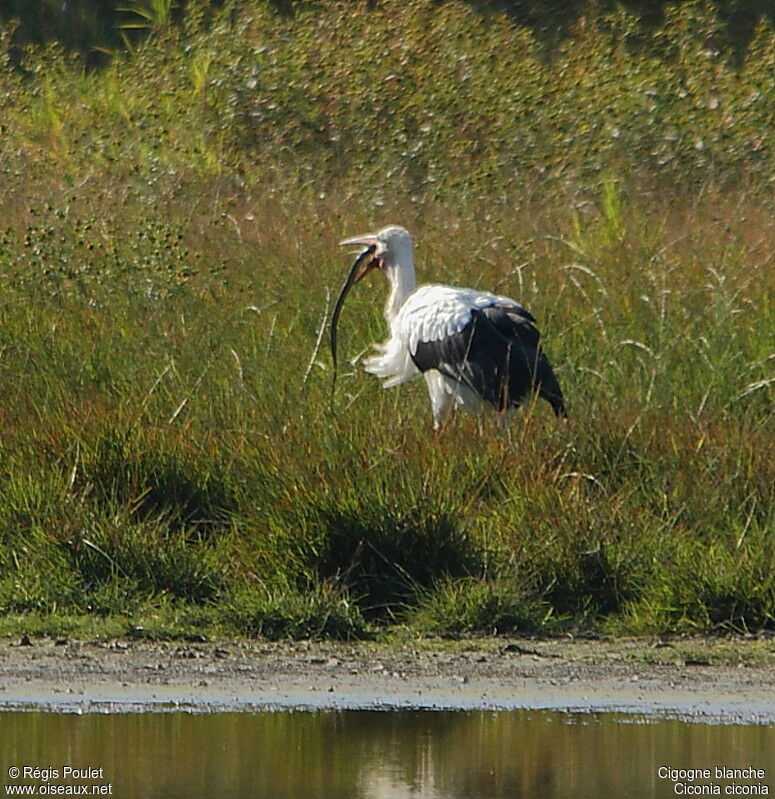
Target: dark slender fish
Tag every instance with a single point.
(346, 286)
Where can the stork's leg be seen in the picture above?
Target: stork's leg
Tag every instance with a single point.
(442, 401)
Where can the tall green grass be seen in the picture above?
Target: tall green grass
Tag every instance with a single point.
(172, 459)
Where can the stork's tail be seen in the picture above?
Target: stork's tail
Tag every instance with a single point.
(548, 387)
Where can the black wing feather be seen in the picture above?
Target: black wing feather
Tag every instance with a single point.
(498, 356)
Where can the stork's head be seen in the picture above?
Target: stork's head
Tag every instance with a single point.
(392, 249)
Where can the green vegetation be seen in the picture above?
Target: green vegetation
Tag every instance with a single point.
(171, 462)
(94, 29)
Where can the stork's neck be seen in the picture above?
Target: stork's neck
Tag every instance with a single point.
(402, 284)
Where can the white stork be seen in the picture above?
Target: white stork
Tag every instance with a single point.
(471, 346)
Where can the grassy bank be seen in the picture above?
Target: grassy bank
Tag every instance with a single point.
(171, 462)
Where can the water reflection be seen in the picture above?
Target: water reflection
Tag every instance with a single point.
(373, 755)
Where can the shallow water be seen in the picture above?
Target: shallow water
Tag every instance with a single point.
(378, 755)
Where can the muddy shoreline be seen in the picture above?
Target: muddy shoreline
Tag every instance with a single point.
(718, 681)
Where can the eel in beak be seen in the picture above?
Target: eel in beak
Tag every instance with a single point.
(352, 278)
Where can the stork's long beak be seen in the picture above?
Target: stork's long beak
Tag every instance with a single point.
(366, 240)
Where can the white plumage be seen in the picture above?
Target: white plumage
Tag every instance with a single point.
(432, 313)
(472, 346)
